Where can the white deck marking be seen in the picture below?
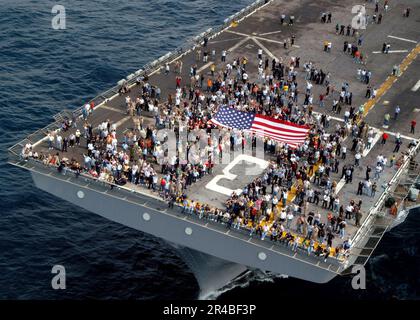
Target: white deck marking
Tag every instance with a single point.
(376, 129)
(416, 86)
(334, 118)
(267, 33)
(119, 123)
(391, 51)
(269, 40)
(238, 33)
(259, 38)
(401, 135)
(375, 140)
(337, 119)
(252, 36)
(270, 54)
(340, 185)
(402, 39)
(111, 108)
(208, 64)
(225, 40)
(213, 186)
(238, 44)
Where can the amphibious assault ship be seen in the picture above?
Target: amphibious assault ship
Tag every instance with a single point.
(215, 253)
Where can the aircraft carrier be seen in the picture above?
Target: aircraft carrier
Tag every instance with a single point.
(215, 253)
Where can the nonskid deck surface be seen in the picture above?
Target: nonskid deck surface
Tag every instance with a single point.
(262, 30)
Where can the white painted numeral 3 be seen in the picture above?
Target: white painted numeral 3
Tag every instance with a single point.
(213, 186)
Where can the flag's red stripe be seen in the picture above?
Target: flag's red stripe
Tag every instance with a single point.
(277, 137)
(280, 126)
(285, 130)
(279, 132)
(282, 121)
(292, 145)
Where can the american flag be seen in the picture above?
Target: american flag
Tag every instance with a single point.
(279, 130)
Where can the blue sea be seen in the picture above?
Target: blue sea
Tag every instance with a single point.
(43, 71)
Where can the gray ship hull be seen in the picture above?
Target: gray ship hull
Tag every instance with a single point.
(214, 254)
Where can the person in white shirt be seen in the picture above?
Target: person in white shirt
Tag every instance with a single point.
(274, 202)
(336, 204)
(325, 201)
(283, 216)
(329, 46)
(357, 158)
(397, 112)
(264, 232)
(349, 211)
(224, 55)
(77, 135)
(359, 74)
(260, 54)
(378, 170)
(310, 99)
(343, 152)
(289, 218)
(369, 142)
(58, 142)
(310, 195)
(346, 116)
(50, 139)
(379, 159)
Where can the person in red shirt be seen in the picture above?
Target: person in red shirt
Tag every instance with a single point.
(321, 100)
(178, 82)
(162, 184)
(384, 137)
(413, 126)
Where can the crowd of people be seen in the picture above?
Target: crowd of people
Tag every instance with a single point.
(286, 202)
(138, 155)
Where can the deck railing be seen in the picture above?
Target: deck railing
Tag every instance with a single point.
(377, 210)
(144, 198)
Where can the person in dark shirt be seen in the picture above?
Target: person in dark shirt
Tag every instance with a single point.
(360, 188)
(330, 238)
(368, 170)
(310, 218)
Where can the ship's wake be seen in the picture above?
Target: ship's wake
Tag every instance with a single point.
(216, 276)
(242, 281)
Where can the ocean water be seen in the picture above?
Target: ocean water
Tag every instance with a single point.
(43, 71)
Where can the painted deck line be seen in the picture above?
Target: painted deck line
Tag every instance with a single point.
(402, 39)
(267, 33)
(392, 51)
